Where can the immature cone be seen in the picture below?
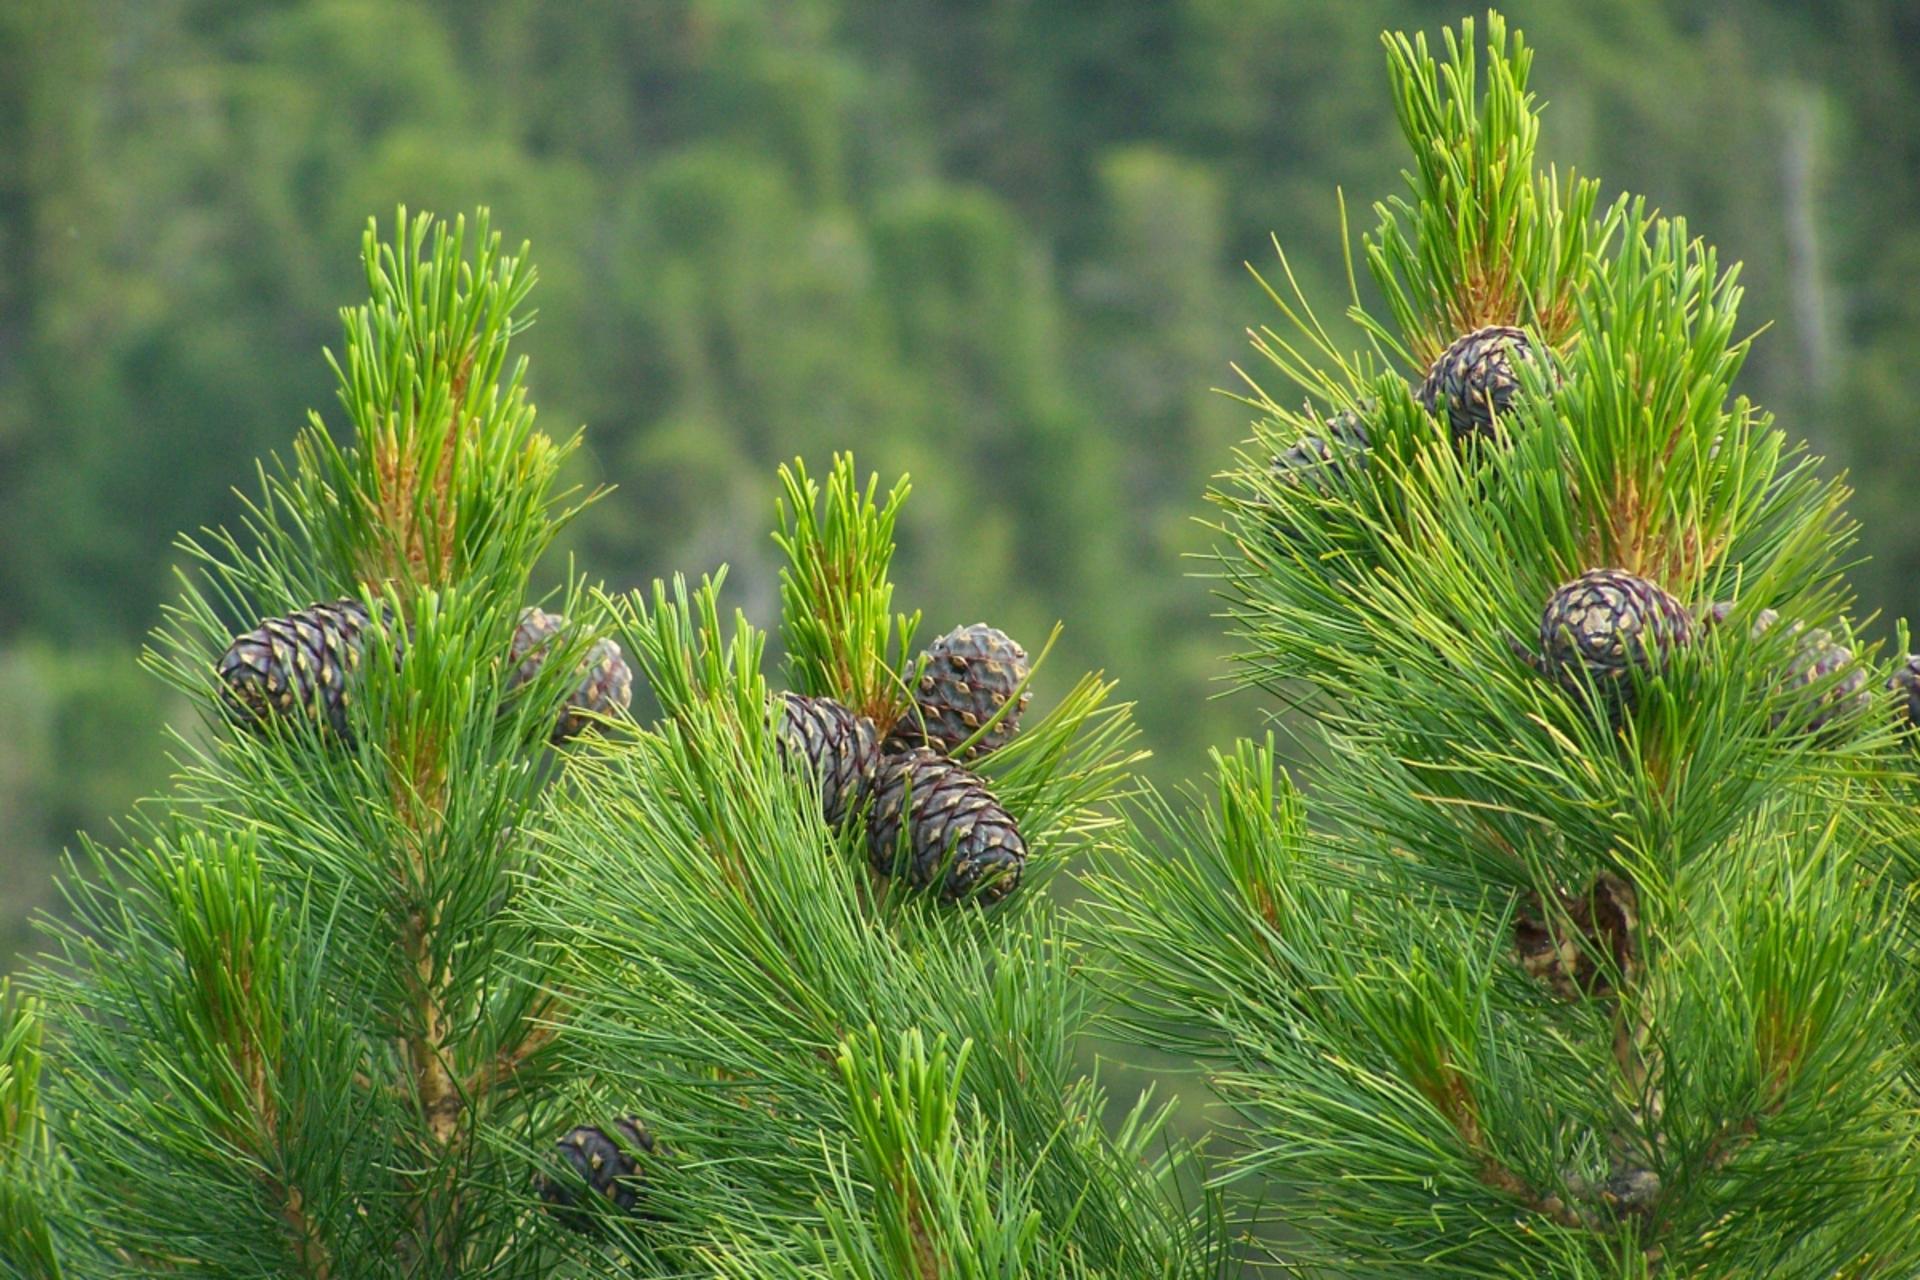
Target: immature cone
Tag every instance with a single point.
(840, 748)
(598, 1163)
(1321, 463)
(967, 676)
(605, 681)
(1473, 381)
(1906, 681)
(302, 664)
(1602, 625)
(1817, 658)
(951, 821)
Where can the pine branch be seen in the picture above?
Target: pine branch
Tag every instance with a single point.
(842, 638)
(736, 946)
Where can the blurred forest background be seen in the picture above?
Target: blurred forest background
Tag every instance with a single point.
(995, 243)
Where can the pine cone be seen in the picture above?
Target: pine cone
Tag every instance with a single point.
(840, 748)
(605, 685)
(1906, 681)
(1473, 382)
(1601, 626)
(967, 676)
(1817, 658)
(600, 1164)
(1563, 949)
(953, 823)
(300, 664)
(533, 637)
(1711, 617)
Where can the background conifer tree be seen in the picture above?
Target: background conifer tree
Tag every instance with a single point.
(1586, 963)
(436, 962)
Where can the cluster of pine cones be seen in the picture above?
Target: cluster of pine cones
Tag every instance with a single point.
(1600, 627)
(301, 667)
(930, 817)
(1471, 386)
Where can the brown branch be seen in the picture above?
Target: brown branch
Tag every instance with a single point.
(926, 1258)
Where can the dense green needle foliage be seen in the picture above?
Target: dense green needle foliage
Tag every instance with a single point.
(1552, 984)
(328, 1005)
(742, 975)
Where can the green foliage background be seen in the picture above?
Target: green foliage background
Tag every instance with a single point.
(994, 244)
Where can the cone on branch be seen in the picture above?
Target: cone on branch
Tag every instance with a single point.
(593, 1163)
(1474, 381)
(1586, 943)
(1905, 681)
(966, 677)
(1600, 627)
(605, 685)
(1322, 462)
(1818, 657)
(302, 664)
(950, 823)
(839, 748)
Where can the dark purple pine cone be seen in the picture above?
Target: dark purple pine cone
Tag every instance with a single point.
(302, 664)
(605, 681)
(840, 748)
(950, 821)
(1473, 382)
(597, 1163)
(1711, 617)
(967, 675)
(1604, 624)
(533, 637)
(1906, 681)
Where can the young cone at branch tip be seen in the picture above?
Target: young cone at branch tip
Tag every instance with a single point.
(1474, 381)
(606, 681)
(600, 1164)
(951, 822)
(836, 746)
(300, 664)
(1602, 625)
(967, 676)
